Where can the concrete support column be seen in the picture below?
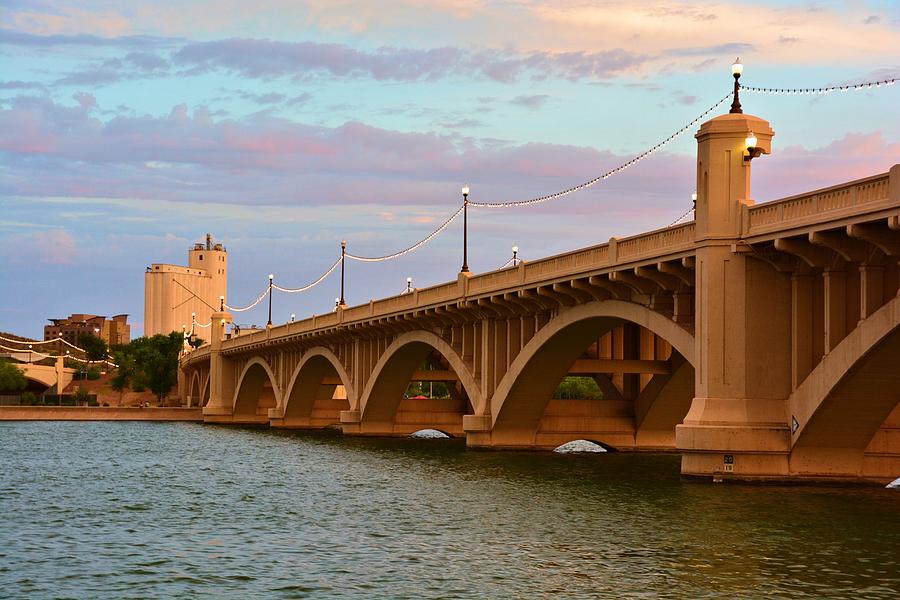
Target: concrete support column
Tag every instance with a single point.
(737, 423)
(683, 307)
(835, 308)
(801, 327)
(221, 372)
(60, 367)
(871, 289)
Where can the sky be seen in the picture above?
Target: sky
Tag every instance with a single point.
(130, 129)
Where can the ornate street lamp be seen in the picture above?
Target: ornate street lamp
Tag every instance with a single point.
(515, 259)
(343, 258)
(271, 279)
(465, 265)
(736, 69)
(753, 150)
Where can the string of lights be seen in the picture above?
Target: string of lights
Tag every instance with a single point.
(553, 196)
(249, 306)
(311, 285)
(42, 355)
(868, 85)
(39, 342)
(608, 174)
(409, 249)
(681, 218)
(21, 351)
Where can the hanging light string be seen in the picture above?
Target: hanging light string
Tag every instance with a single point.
(581, 186)
(311, 285)
(67, 355)
(511, 262)
(21, 351)
(249, 306)
(608, 174)
(36, 342)
(821, 90)
(681, 218)
(409, 249)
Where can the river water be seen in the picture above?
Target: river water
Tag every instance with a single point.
(160, 510)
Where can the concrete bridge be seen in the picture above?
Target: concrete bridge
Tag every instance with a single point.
(759, 341)
(54, 377)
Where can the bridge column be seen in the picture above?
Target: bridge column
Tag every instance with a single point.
(60, 369)
(742, 313)
(221, 373)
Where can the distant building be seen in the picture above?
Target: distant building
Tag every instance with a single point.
(173, 292)
(112, 331)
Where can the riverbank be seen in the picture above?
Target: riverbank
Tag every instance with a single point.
(99, 413)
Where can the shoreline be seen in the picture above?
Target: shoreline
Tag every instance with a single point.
(99, 413)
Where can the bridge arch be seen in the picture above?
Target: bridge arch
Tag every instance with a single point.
(204, 391)
(251, 401)
(194, 390)
(390, 378)
(847, 397)
(310, 391)
(522, 396)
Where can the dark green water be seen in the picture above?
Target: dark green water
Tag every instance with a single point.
(157, 510)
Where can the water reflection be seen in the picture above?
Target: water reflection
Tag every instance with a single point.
(161, 510)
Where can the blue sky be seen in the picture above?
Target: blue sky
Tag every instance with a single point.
(130, 129)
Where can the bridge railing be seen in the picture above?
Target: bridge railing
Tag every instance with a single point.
(812, 206)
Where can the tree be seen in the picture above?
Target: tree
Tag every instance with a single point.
(12, 378)
(93, 346)
(196, 342)
(152, 363)
(124, 371)
(148, 363)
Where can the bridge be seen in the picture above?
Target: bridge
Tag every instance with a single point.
(55, 377)
(759, 341)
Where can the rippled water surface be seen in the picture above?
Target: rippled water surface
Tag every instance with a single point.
(158, 510)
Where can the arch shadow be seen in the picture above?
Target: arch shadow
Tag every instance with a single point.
(847, 397)
(307, 392)
(527, 387)
(250, 387)
(390, 378)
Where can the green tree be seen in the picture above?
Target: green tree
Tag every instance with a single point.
(81, 396)
(12, 378)
(196, 342)
(156, 362)
(93, 346)
(124, 371)
(583, 388)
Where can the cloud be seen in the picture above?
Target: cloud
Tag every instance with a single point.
(532, 102)
(21, 85)
(268, 59)
(50, 247)
(871, 20)
(19, 38)
(797, 169)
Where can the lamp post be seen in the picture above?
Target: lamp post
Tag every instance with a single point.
(343, 260)
(29, 354)
(293, 317)
(221, 303)
(736, 69)
(337, 302)
(694, 200)
(515, 260)
(271, 279)
(465, 265)
(409, 285)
